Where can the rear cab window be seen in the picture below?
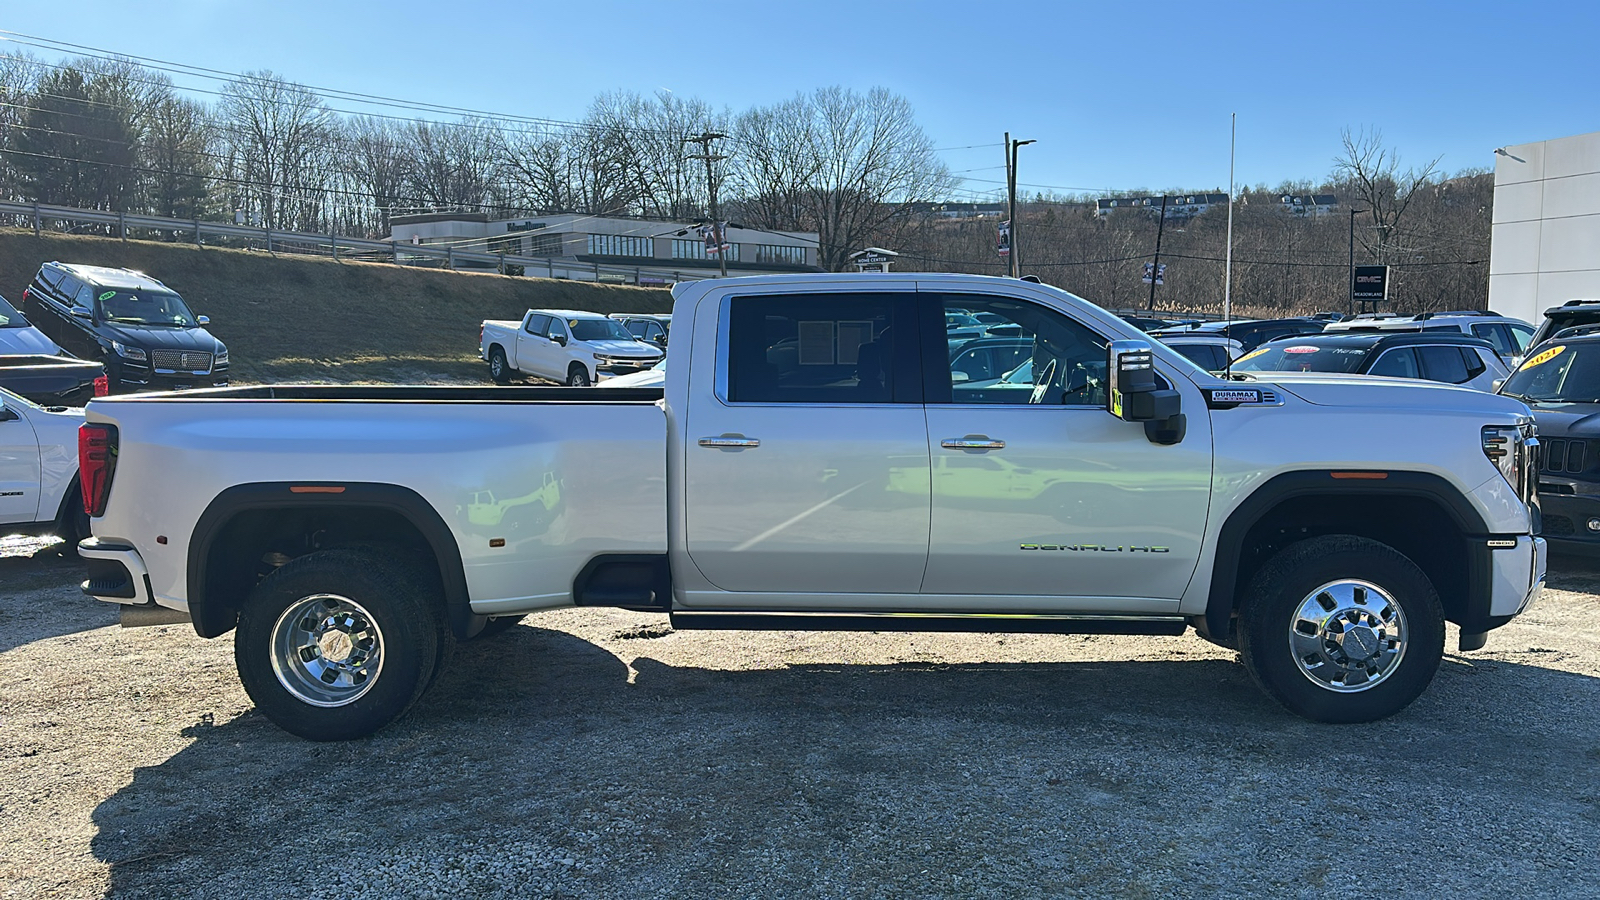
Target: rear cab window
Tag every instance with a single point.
(825, 348)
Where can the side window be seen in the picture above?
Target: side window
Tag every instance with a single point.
(556, 329)
(637, 327)
(821, 348)
(1498, 335)
(1441, 329)
(1477, 362)
(1401, 363)
(1522, 335)
(652, 331)
(1067, 361)
(68, 288)
(49, 276)
(84, 298)
(1444, 364)
(537, 324)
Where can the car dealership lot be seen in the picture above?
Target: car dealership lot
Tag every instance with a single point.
(597, 753)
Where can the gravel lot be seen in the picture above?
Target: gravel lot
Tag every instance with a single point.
(599, 754)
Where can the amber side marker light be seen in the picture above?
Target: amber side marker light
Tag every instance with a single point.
(316, 489)
(1365, 476)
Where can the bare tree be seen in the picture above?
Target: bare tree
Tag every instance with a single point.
(650, 132)
(278, 134)
(454, 165)
(1372, 173)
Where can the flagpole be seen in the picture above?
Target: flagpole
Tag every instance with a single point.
(1227, 278)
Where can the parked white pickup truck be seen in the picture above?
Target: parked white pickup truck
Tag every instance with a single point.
(575, 348)
(812, 464)
(39, 469)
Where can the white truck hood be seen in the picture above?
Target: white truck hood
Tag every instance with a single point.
(1374, 391)
(27, 340)
(629, 349)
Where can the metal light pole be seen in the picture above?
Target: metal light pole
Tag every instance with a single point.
(1011, 202)
(1155, 268)
(704, 140)
(1350, 308)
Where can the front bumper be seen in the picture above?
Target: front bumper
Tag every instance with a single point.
(130, 377)
(622, 366)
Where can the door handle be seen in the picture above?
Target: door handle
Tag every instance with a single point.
(972, 442)
(730, 441)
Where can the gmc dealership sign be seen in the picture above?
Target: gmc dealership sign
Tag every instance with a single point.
(1370, 283)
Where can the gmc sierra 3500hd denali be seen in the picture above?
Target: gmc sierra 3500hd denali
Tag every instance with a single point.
(814, 463)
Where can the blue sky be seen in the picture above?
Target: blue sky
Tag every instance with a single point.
(1118, 95)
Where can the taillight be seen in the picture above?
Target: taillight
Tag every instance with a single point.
(97, 462)
(102, 386)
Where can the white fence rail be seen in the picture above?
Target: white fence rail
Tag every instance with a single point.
(117, 224)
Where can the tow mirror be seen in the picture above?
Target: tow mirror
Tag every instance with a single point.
(1134, 394)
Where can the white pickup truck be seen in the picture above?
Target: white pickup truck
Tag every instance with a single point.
(39, 469)
(813, 463)
(563, 345)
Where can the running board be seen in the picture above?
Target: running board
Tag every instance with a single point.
(985, 623)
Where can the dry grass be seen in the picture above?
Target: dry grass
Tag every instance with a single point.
(302, 318)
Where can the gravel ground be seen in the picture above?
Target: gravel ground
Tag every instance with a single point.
(600, 754)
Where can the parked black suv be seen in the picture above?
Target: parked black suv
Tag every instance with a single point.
(138, 327)
(1560, 382)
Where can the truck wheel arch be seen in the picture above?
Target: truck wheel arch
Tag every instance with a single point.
(1298, 497)
(214, 601)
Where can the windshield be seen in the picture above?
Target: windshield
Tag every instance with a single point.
(1294, 356)
(144, 307)
(598, 330)
(9, 317)
(1564, 373)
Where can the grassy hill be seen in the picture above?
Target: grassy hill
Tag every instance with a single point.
(303, 318)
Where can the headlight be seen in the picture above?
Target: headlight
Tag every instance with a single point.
(126, 352)
(1514, 449)
(221, 357)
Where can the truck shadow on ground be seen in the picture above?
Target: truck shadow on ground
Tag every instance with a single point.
(542, 763)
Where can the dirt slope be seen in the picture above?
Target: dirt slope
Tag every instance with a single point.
(295, 317)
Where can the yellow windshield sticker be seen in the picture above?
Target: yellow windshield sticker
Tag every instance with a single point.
(1251, 355)
(1543, 358)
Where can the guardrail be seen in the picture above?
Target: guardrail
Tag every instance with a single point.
(340, 246)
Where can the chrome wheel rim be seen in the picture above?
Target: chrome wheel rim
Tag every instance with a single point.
(497, 365)
(1348, 636)
(327, 650)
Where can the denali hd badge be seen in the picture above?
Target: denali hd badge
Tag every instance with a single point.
(1096, 547)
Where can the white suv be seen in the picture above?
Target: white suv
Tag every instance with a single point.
(1509, 336)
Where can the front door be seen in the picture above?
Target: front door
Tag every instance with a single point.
(19, 467)
(807, 474)
(1042, 499)
(534, 350)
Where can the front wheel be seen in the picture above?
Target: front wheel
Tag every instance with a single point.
(1341, 629)
(578, 376)
(337, 644)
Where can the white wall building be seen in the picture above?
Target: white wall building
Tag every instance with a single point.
(1545, 245)
(656, 252)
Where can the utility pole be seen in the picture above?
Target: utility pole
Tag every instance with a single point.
(704, 140)
(1155, 268)
(1011, 201)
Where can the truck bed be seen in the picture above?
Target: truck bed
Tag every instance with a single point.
(50, 380)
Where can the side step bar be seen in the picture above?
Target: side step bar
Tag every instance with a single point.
(985, 623)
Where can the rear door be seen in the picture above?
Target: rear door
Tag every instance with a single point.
(1042, 499)
(807, 471)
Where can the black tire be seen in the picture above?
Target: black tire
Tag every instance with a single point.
(578, 376)
(499, 369)
(403, 603)
(1290, 582)
(497, 625)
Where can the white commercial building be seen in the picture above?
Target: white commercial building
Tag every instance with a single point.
(1545, 244)
(609, 249)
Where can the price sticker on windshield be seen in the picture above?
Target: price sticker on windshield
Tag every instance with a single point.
(1301, 349)
(1544, 357)
(1251, 355)
(108, 295)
